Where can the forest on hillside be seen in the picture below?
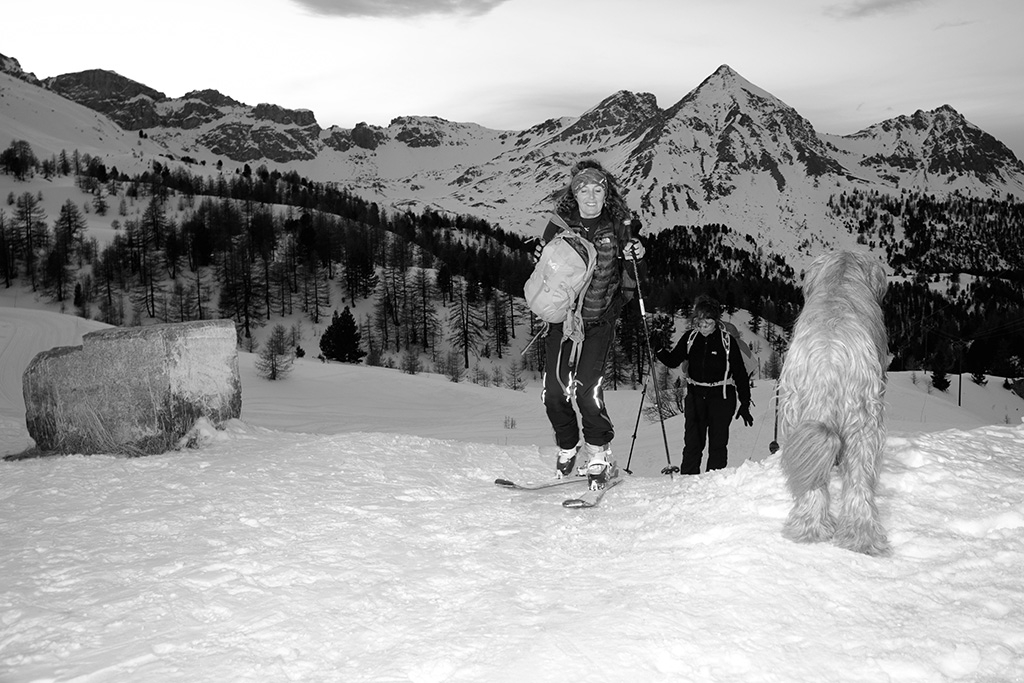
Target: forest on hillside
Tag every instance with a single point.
(959, 301)
(256, 245)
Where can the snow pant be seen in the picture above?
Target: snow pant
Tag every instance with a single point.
(584, 384)
(708, 415)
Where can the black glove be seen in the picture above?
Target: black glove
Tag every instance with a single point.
(744, 412)
(659, 354)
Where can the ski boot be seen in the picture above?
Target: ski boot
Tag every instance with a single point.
(599, 468)
(565, 463)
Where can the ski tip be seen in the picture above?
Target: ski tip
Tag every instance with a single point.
(503, 482)
(576, 503)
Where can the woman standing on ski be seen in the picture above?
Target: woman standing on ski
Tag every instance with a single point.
(591, 206)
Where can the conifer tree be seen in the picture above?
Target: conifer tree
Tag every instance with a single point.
(514, 376)
(360, 276)
(667, 387)
(31, 231)
(69, 231)
(100, 203)
(500, 330)
(18, 159)
(56, 277)
(451, 366)
(773, 368)
(411, 363)
(8, 267)
(276, 358)
(425, 310)
(340, 341)
(940, 380)
(465, 324)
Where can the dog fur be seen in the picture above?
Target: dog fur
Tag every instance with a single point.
(831, 403)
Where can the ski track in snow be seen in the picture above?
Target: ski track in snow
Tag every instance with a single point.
(267, 555)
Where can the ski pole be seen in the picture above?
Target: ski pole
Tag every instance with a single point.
(636, 427)
(543, 330)
(669, 469)
(773, 447)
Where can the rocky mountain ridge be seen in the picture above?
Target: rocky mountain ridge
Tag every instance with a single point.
(728, 152)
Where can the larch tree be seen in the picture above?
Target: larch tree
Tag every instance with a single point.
(276, 358)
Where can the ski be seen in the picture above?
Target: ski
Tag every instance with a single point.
(508, 484)
(593, 498)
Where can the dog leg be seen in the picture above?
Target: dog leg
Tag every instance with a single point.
(807, 460)
(810, 521)
(859, 528)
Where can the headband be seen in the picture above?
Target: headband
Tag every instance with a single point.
(588, 176)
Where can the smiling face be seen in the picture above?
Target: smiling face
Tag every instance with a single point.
(590, 198)
(705, 325)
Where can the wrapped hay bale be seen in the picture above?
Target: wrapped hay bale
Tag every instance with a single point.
(132, 391)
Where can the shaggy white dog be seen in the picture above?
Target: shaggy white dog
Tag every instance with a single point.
(831, 403)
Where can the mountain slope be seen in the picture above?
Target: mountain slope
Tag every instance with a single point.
(728, 152)
(51, 123)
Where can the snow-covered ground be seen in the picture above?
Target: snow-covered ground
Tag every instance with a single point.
(347, 529)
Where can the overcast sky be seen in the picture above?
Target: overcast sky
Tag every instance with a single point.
(509, 64)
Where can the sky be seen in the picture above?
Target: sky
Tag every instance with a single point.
(510, 64)
(347, 528)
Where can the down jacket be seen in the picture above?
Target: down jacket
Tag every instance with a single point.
(613, 283)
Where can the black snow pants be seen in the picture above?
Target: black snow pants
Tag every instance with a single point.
(708, 415)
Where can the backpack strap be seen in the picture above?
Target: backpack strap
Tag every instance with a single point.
(689, 340)
(569, 388)
(574, 333)
(559, 221)
(727, 345)
(572, 329)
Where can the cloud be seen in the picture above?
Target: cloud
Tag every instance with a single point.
(858, 9)
(398, 8)
(957, 24)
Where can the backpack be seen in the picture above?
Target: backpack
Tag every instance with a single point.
(554, 291)
(562, 274)
(729, 330)
(749, 362)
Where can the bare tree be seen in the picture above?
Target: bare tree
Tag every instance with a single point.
(276, 358)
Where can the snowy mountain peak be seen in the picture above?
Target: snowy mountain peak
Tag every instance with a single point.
(930, 150)
(727, 99)
(723, 91)
(727, 148)
(623, 107)
(612, 119)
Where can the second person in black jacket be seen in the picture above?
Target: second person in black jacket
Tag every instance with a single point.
(716, 381)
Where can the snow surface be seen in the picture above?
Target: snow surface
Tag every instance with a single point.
(347, 529)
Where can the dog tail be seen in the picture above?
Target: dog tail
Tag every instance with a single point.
(811, 450)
